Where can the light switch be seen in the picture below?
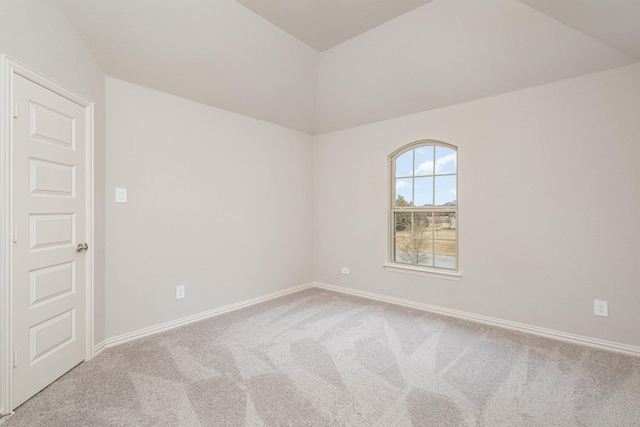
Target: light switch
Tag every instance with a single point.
(121, 195)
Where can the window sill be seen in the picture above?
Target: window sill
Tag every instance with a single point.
(423, 271)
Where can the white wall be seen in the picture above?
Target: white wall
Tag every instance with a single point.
(219, 202)
(38, 35)
(549, 206)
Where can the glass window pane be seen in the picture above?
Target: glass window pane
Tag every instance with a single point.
(402, 223)
(403, 196)
(422, 225)
(401, 250)
(445, 225)
(423, 191)
(422, 252)
(445, 253)
(424, 160)
(425, 177)
(446, 160)
(446, 190)
(414, 251)
(404, 164)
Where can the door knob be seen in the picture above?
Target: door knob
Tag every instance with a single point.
(82, 247)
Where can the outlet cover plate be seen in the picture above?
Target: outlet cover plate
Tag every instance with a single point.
(600, 308)
(180, 292)
(121, 195)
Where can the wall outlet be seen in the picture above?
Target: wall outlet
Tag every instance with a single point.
(345, 270)
(180, 292)
(600, 308)
(121, 195)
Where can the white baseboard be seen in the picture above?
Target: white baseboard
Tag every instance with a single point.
(99, 348)
(506, 324)
(121, 339)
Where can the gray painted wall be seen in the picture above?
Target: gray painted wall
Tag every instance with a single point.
(218, 202)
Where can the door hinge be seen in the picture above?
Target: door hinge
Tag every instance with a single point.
(15, 234)
(15, 109)
(15, 359)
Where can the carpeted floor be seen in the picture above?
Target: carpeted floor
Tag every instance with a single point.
(318, 358)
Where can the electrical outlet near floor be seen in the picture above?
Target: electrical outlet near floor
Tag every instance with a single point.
(600, 308)
(345, 270)
(180, 292)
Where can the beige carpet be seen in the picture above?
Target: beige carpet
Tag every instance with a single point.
(318, 358)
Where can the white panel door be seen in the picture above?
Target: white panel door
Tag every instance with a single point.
(48, 146)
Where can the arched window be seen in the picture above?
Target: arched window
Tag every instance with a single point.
(424, 207)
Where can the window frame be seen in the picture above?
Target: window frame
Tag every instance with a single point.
(392, 264)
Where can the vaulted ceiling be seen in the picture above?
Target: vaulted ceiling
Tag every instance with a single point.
(323, 65)
(323, 24)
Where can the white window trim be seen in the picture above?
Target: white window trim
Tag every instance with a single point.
(390, 265)
(422, 271)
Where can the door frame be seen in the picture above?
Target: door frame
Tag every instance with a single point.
(9, 68)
